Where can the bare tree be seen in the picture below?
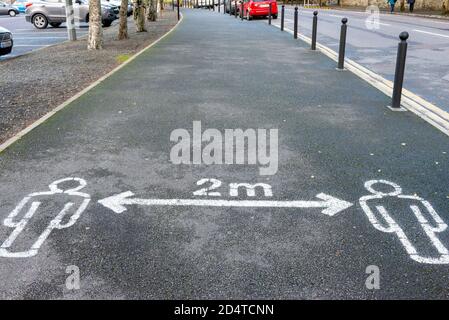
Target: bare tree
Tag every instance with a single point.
(139, 15)
(123, 24)
(95, 38)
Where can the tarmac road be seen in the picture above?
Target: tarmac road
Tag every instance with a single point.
(27, 38)
(336, 137)
(375, 46)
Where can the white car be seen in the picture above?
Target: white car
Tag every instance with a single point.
(203, 3)
(118, 3)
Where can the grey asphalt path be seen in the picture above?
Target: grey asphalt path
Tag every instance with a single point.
(427, 70)
(335, 134)
(27, 38)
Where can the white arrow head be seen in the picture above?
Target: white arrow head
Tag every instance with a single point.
(115, 203)
(333, 205)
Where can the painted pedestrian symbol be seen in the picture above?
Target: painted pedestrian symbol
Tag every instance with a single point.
(421, 210)
(29, 207)
(379, 207)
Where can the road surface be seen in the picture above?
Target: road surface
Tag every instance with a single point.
(427, 68)
(27, 38)
(357, 186)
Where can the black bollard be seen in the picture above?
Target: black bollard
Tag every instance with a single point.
(282, 17)
(314, 30)
(213, 5)
(241, 11)
(295, 24)
(235, 9)
(341, 51)
(173, 4)
(269, 14)
(219, 5)
(178, 9)
(399, 73)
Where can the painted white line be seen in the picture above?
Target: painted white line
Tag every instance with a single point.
(330, 205)
(31, 45)
(37, 123)
(412, 102)
(37, 38)
(335, 15)
(384, 24)
(432, 33)
(31, 33)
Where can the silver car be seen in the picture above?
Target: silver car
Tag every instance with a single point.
(6, 41)
(52, 12)
(8, 9)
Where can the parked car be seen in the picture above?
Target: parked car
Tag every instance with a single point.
(259, 8)
(118, 3)
(22, 5)
(8, 9)
(52, 12)
(231, 6)
(6, 41)
(199, 3)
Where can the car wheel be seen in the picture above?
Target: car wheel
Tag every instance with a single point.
(40, 21)
(107, 24)
(12, 13)
(275, 16)
(55, 24)
(248, 16)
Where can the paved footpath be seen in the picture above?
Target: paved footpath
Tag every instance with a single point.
(337, 140)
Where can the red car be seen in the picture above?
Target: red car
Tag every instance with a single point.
(260, 8)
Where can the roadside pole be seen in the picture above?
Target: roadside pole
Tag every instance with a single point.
(70, 20)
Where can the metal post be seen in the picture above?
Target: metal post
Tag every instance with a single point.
(241, 11)
(282, 17)
(295, 24)
(70, 19)
(235, 9)
(213, 5)
(400, 68)
(269, 13)
(178, 9)
(341, 51)
(173, 4)
(219, 5)
(314, 29)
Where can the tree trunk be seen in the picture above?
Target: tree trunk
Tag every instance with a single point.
(162, 4)
(123, 24)
(139, 15)
(151, 10)
(95, 38)
(446, 7)
(402, 5)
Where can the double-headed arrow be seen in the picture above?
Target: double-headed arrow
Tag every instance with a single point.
(330, 205)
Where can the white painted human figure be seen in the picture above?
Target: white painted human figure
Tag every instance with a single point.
(427, 218)
(29, 207)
